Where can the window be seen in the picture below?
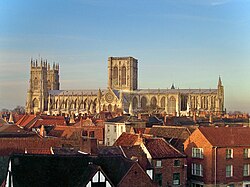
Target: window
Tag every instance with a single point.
(229, 153)
(197, 169)
(246, 153)
(230, 185)
(114, 128)
(246, 170)
(123, 81)
(197, 152)
(158, 178)
(177, 163)
(91, 134)
(229, 170)
(158, 163)
(176, 179)
(196, 185)
(35, 84)
(84, 133)
(108, 141)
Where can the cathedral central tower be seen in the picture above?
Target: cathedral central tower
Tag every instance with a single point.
(123, 73)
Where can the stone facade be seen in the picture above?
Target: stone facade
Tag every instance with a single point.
(122, 93)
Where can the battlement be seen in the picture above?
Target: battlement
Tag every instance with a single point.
(35, 63)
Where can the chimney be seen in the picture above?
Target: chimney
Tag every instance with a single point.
(139, 139)
(11, 118)
(210, 118)
(42, 131)
(165, 120)
(72, 119)
(194, 117)
(139, 116)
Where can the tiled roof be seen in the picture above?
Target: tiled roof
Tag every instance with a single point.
(48, 122)
(25, 120)
(33, 121)
(227, 136)
(119, 119)
(136, 152)
(183, 121)
(55, 133)
(41, 151)
(153, 120)
(170, 132)
(109, 150)
(126, 139)
(15, 131)
(17, 117)
(162, 91)
(125, 118)
(2, 122)
(132, 152)
(159, 149)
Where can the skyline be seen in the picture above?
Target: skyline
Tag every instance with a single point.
(187, 43)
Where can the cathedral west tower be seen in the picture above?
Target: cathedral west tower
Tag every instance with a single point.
(42, 79)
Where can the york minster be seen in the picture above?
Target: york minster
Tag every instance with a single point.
(122, 94)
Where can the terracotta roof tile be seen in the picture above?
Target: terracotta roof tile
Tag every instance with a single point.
(14, 131)
(159, 148)
(41, 151)
(25, 120)
(170, 132)
(227, 136)
(126, 139)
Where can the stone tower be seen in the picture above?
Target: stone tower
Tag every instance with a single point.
(42, 79)
(123, 73)
(220, 96)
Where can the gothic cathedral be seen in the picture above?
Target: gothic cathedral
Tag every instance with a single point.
(44, 95)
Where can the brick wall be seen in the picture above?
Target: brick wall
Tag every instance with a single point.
(168, 169)
(208, 162)
(136, 178)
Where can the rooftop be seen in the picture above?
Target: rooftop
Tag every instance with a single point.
(227, 136)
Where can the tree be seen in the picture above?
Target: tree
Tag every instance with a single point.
(19, 110)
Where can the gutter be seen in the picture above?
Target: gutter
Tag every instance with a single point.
(215, 166)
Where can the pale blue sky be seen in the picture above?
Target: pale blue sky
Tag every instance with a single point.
(186, 42)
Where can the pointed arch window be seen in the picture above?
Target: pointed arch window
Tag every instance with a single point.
(35, 84)
(143, 102)
(163, 101)
(123, 81)
(172, 105)
(135, 103)
(153, 102)
(115, 75)
(35, 103)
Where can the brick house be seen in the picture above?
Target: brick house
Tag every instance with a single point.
(116, 126)
(169, 164)
(219, 156)
(175, 135)
(92, 129)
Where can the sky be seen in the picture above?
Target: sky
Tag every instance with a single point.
(186, 42)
